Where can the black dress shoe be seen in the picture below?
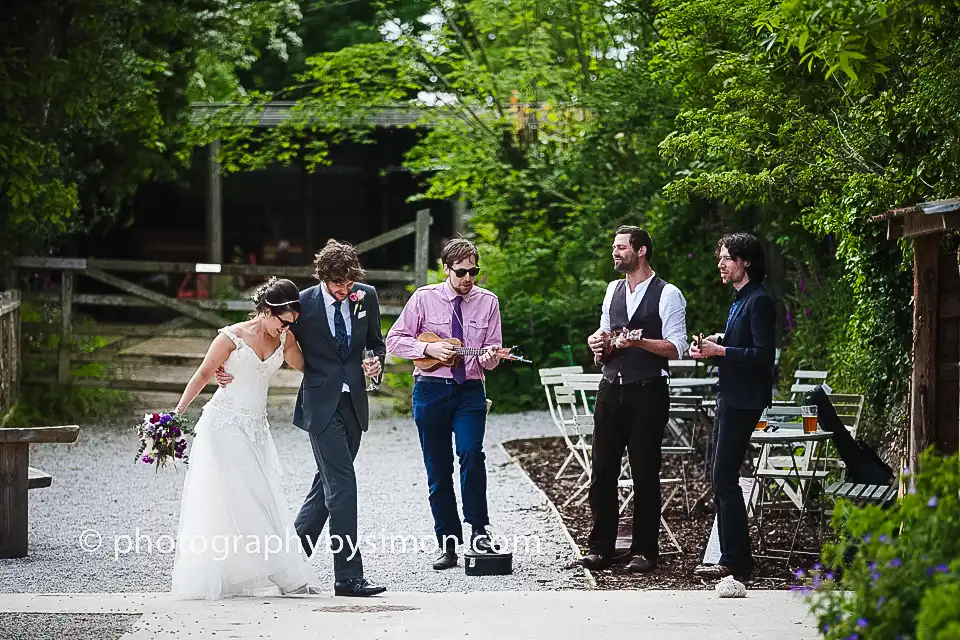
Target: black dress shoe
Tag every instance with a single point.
(719, 571)
(446, 560)
(641, 564)
(357, 588)
(596, 561)
(480, 542)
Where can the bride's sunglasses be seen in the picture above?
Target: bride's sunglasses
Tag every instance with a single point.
(462, 272)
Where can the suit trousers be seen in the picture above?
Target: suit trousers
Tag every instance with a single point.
(445, 410)
(631, 417)
(334, 492)
(732, 431)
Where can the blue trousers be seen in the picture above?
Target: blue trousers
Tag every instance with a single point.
(445, 411)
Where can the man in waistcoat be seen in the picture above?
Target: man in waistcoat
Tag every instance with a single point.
(633, 400)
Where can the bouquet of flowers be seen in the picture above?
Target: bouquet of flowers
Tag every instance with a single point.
(162, 438)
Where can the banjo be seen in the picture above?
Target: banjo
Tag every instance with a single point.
(428, 363)
(611, 342)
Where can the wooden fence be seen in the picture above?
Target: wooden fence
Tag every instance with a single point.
(190, 311)
(9, 350)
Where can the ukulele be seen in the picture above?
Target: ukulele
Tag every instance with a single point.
(428, 363)
(611, 342)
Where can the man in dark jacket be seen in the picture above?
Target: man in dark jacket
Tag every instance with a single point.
(745, 357)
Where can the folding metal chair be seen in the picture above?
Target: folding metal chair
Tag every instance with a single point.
(550, 379)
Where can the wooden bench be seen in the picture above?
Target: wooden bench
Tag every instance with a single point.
(17, 477)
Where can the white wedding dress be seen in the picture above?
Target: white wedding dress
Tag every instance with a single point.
(236, 535)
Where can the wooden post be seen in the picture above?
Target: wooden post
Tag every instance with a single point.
(214, 211)
(923, 384)
(14, 463)
(66, 326)
(461, 215)
(421, 258)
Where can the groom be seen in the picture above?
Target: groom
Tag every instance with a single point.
(339, 318)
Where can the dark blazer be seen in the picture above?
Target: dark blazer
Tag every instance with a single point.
(324, 368)
(746, 371)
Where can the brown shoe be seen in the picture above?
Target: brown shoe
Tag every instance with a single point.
(641, 564)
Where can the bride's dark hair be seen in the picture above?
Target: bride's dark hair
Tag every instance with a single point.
(278, 295)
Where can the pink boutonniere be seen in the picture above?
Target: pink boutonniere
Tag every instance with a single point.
(356, 297)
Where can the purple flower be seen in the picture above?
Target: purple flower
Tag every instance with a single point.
(875, 576)
(799, 573)
(790, 320)
(932, 502)
(867, 538)
(873, 566)
(689, 255)
(942, 568)
(805, 310)
(861, 623)
(880, 602)
(853, 636)
(803, 284)
(884, 538)
(896, 562)
(147, 459)
(817, 567)
(828, 576)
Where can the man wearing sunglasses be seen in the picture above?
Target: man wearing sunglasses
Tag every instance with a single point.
(450, 401)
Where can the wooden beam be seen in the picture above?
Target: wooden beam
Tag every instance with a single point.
(14, 460)
(918, 223)
(33, 435)
(386, 238)
(182, 307)
(143, 331)
(152, 266)
(214, 211)
(923, 382)
(66, 325)
(111, 300)
(421, 258)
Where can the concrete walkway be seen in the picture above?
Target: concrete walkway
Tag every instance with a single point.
(559, 615)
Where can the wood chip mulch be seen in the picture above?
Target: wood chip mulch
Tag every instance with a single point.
(541, 459)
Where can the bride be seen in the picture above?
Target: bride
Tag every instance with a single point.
(236, 534)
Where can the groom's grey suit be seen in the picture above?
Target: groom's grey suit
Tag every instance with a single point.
(334, 417)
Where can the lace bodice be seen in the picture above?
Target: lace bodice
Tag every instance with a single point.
(247, 393)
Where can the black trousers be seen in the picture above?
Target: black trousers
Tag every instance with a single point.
(631, 417)
(732, 430)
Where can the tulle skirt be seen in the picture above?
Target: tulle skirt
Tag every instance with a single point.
(235, 535)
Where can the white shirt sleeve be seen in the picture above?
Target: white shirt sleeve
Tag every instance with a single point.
(673, 316)
(605, 309)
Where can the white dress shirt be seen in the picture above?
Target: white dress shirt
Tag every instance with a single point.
(328, 301)
(673, 311)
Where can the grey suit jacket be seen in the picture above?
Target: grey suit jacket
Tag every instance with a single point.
(325, 369)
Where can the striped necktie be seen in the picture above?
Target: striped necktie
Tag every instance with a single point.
(459, 370)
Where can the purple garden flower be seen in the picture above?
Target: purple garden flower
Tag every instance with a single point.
(884, 538)
(861, 623)
(896, 562)
(932, 502)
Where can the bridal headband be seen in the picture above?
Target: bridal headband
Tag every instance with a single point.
(281, 304)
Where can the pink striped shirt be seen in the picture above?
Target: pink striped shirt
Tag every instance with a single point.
(430, 308)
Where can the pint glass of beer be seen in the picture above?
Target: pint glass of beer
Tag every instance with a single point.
(762, 422)
(809, 414)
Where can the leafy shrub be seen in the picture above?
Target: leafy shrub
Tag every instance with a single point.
(896, 573)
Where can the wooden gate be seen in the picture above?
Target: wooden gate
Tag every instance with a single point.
(192, 312)
(9, 350)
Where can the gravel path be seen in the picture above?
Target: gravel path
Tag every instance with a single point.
(99, 494)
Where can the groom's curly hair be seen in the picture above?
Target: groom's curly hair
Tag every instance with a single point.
(338, 262)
